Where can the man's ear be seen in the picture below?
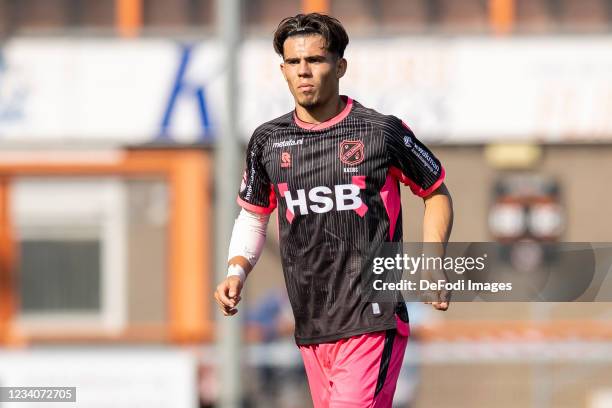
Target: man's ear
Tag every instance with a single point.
(282, 68)
(341, 68)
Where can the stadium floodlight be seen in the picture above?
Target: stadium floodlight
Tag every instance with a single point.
(507, 220)
(545, 220)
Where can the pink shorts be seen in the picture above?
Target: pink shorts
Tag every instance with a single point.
(359, 371)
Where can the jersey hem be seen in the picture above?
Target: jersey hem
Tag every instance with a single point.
(335, 337)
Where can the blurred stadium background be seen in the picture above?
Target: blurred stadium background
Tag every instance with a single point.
(109, 112)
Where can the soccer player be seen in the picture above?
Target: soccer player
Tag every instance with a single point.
(332, 169)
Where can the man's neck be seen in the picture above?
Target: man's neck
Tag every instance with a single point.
(323, 113)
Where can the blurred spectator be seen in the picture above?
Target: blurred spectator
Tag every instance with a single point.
(270, 318)
(270, 321)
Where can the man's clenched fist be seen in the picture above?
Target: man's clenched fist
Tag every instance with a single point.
(227, 295)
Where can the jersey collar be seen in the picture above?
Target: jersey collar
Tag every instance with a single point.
(328, 123)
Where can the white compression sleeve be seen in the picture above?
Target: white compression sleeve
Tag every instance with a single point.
(248, 236)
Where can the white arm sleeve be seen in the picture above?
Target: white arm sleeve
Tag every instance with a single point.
(248, 236)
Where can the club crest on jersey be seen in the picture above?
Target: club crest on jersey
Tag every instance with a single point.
(285, 160)
(351, 152)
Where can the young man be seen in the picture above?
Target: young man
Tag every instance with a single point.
(332, 169)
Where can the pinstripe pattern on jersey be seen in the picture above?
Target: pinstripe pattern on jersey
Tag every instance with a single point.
(322, 252)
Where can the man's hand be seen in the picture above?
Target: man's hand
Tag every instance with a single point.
(439, 299)
(438, 305)
(227, 295)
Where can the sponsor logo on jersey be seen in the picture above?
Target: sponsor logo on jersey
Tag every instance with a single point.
(288, 143)
(426, 158)
(244, 181)
(250, 178)
(285, 160)
(351, 152)
(323, 199)
(408, 141)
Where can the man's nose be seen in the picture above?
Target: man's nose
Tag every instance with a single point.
(304, 69)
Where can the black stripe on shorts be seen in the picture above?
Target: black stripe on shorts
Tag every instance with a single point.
(385, 359)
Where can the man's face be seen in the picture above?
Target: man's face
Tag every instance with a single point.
(311, 71)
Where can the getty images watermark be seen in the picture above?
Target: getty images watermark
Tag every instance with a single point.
(413, 264)
(489, 271)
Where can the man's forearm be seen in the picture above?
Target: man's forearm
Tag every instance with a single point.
(247, 241)
(438, 216)
(246, 245)
(437, 225)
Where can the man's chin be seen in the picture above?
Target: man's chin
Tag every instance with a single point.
(308, 102)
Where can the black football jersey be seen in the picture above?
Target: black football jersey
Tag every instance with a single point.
(335, 186)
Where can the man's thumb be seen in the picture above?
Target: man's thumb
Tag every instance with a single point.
(234, 287)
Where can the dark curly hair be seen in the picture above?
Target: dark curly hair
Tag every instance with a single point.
(328, 27)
